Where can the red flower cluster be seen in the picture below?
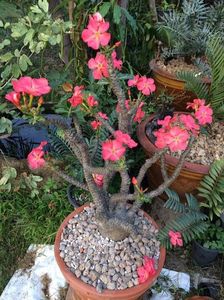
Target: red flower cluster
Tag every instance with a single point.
(35, 157)
(175, 131)
(147, 270)
(175, 238)
(113, 150)
(143, 84)
(78, 98)
(29, 86)
(203, 113)
(98, 178)
(96, 34)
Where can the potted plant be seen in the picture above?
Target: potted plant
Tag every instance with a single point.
(183, 34)
(109, 249)
(203, 153)
(206, 248)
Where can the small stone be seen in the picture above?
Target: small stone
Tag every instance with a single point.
(93, 275)
(82, 267)
(130, 284)
(99, 287)
(111, 272)
(111, 285)
(78, 273)
(115, 277)
(84, 279)
(104, 278)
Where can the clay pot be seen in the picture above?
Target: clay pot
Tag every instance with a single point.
(191, 173)
(172, 86)
(79, 290)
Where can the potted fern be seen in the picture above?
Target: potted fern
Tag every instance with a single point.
(109, 249)
(183, 34)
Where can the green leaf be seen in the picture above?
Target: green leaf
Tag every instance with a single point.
(16, 72)
(5, 74)
(17, 53)
(6, 57)
(104, 8)
(29, 36)
(130, 19)
(5, 125)
(43, 4)
(117, 14)
(18, 30)
(4, 43)
(23, 63)
(1, 23)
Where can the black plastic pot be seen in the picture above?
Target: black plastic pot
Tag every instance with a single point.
(203, 256)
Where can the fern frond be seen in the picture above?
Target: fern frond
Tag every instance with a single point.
(212, 189)
(194, 84)
(190, 222)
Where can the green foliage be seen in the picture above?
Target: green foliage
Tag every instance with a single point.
(213, 237)
(212, 189)
(5, 126)
(189, 220)
(27, 220)
(185, 32)
(215, 93)
(31, 34)
(12, 181)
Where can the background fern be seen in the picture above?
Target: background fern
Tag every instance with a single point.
(189, 220)
(212, 189)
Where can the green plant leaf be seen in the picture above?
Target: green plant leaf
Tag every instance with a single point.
(6, 57)
(23, 63)
(43, 4)
(104, 8)
(117, 14)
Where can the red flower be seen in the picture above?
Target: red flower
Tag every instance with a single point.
(160, 138)
(139, 113)
(143, 275)
(125, 139)
(102, 115)
(35, 157)
(98, 178)
(14, 98)
(146, 85)
(92, 101)
(189, 123)
(95, 35)
(204, 115)
(31, 86)
(112, 150)
(166, 122)
(149, 265)
(177, 139)
(175, 238)
(196, 104)
(134, 81)
(99, 66)
(95, 124)
(117, 63)
(77, 97)
(134, 181)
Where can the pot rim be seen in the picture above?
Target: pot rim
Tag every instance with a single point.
(155, 68)
(74, 281)
(204, 248)
(149, 147)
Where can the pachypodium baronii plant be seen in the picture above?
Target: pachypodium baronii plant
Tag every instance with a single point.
(113, 215)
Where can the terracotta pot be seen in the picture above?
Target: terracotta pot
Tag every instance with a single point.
(191, 173)
(79, 290)
(172, 86)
